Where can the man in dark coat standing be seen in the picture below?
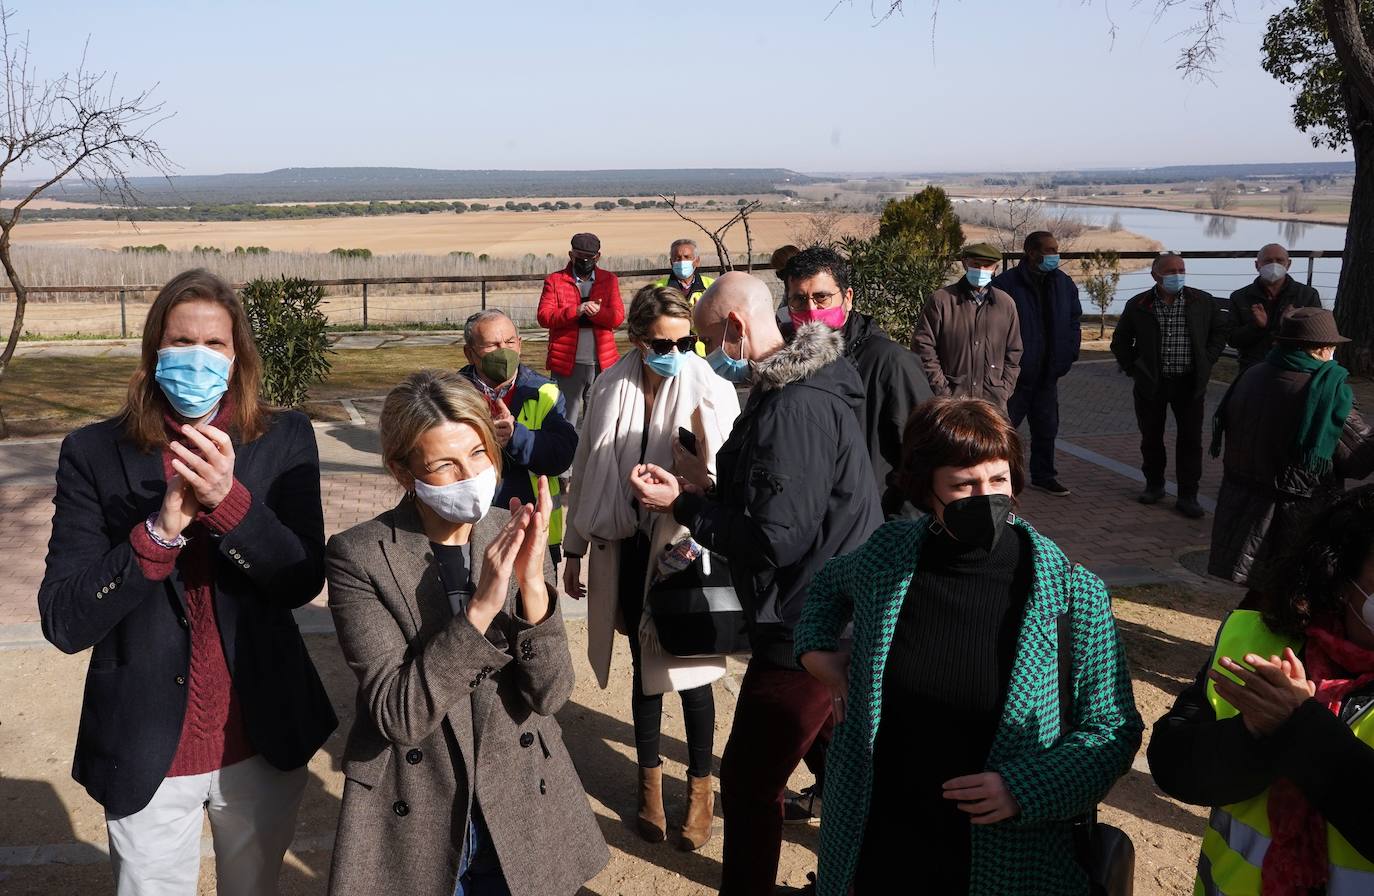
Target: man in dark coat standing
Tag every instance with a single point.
(1292, 437)
(1167, 340)
(1257, 307)
(1048, 309)
(817, 284)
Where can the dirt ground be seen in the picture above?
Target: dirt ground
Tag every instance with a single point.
(1167, 632)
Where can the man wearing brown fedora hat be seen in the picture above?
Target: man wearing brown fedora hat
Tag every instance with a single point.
(1292, 436)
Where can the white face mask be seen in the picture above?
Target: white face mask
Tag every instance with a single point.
(466, 501)
(1366, 611)
(1273, 272)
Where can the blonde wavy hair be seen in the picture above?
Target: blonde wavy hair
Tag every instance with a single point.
(426, 399)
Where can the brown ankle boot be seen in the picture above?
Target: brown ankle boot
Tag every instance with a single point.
(653, 826)
(701, 807)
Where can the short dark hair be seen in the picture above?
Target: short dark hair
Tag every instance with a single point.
(1034, 239)
(1305, 581)
(955, 432)
(817, 260)
(651, 303)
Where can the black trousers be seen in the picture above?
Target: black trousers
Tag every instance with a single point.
(1152, 405)
(698, 704)
(1038, 399)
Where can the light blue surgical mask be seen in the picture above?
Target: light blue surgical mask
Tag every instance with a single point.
(665, 365)
(683, 269)
(978, 278)
(726, 367)
(1049, 263)
(1172, 283)
(194, 378)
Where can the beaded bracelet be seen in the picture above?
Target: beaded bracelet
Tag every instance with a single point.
(178, 542)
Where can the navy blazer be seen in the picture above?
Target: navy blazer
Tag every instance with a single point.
(1045, 351)
(94, 595)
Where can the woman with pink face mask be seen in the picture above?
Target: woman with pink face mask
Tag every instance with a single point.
(1277, 732)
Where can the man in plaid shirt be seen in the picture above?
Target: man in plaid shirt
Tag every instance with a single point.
(1167, 340)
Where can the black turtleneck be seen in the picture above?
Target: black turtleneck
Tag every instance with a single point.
(943, 687)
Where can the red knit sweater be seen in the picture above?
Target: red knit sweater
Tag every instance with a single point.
(213, 734)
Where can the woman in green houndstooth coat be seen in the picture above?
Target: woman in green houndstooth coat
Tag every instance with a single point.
(951, 766)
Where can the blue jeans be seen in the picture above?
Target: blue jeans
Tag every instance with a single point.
(479, 871)
(1039, 400)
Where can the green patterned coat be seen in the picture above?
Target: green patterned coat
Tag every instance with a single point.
(1054, 774)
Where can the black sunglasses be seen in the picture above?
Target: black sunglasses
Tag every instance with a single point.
(663, 346)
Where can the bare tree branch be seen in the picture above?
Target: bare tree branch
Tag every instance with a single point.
(71, 126)
(717, 236)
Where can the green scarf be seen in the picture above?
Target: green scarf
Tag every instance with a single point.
(1329, 401)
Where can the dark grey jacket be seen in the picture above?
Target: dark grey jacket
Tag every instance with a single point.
(1251, 341)
(1136, 342)
(441, 705)
(1264, 491)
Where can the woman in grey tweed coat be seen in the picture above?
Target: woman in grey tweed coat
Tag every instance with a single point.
(456, 777)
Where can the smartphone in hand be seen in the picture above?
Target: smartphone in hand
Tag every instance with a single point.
(688, 440)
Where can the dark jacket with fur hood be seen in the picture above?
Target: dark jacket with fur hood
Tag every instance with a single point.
(794, 485)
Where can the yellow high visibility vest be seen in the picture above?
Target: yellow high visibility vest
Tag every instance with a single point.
(531, 416)
(1238, 835)
(692, 301)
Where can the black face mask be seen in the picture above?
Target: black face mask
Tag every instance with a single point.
(584, 266)
(978, 520)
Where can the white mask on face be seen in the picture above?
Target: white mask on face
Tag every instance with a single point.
(1273, 272)
(466, 501)
(1367, 610)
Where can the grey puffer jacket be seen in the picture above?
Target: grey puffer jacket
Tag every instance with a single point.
(1265, 492)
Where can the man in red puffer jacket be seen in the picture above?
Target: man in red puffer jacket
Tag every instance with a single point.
(581, 307)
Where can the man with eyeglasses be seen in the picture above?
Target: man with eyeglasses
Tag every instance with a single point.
(528, 414)
(969, 334)
(581, 307)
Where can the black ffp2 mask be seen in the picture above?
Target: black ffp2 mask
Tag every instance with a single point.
(978, 519)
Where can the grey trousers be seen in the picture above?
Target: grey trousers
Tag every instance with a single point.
(575, 387)
(252, 808)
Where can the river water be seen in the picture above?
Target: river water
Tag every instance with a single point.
(1195, 231)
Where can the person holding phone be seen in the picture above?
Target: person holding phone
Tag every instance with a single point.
(456, 779)
(640, 411)
(186, 529)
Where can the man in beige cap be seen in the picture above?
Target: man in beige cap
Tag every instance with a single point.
(969, 335)
(1292, 437)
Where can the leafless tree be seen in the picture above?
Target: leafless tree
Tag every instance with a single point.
(829, 226)
(717, 236)
(1222, 193)
(72, 126)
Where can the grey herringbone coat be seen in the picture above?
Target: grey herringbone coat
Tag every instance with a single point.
(439, 706)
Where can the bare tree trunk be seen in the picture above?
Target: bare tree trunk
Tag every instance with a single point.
(1354, 308)
(1102, 325)
(21, 300)
(748, 243)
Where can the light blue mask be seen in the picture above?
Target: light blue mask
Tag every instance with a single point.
(665, 365)
(683, 269)
(1049, 263)
(1172, 283)
(728, 368)
(978, 277)
(194, 378)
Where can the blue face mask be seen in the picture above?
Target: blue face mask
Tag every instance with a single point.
(194, 378)
(726, 367)
(665, 365)
(683, 269)
(1172, 283)
(1049, 263)
(978, 277)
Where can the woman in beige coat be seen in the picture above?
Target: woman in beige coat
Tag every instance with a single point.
(456, 777)
(633, 416)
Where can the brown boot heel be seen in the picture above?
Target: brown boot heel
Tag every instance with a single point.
(701, 808)
(653, 825)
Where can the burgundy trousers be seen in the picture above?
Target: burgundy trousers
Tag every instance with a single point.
(778, 716)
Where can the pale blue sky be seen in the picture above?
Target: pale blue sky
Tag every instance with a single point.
(617, 84)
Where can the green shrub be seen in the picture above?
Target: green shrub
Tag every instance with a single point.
(891, 282)
(290, 330)
(158, 249)
(351, 253)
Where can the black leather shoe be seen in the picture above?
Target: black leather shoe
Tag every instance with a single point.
(1190, 508)
(1153, 494)
(1052, 486)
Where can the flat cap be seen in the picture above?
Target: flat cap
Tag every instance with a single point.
(981, 251)
(586, 242)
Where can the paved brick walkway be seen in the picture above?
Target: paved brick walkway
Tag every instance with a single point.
(1101, 525)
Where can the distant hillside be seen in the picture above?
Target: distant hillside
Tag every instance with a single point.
(1173, 173)
(366, 184)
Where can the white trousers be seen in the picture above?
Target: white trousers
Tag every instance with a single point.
(252, 808)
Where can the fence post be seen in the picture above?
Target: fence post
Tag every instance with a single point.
(123, 317)
(364, 306)
(484, 294)
(1311, 263)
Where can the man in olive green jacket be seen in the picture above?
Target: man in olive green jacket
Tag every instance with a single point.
(969, 336)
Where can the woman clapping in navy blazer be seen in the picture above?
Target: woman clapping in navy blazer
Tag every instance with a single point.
(186, 530)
